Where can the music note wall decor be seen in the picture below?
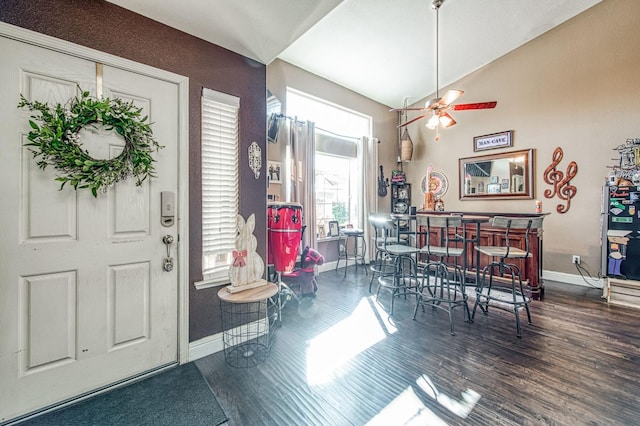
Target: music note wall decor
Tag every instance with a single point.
(560, 182)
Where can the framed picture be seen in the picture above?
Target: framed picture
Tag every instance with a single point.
(494, 188)
(334, 229)
(322, 233)
(493, 179)
(493, 141)
(274, 169)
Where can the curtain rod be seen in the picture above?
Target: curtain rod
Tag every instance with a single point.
(317, 128)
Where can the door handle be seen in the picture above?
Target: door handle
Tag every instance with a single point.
(167, 262)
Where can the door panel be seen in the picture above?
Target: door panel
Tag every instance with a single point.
(46, 213)
(129, 210)
(128, 299)
(85, 302)
(51, 338)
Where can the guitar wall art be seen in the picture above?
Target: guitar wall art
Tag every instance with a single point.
(382, 184)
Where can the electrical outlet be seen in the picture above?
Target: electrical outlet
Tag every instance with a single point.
(575, 259)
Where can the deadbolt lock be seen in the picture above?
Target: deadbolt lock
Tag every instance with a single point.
(167, 265)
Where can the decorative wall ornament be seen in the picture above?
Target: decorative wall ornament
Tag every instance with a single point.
(406, 146)
(561, 183)
(54, 140)
(255, 159)
(438, 183)
(628, 167)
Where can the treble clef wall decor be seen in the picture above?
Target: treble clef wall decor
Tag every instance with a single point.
(561, 183)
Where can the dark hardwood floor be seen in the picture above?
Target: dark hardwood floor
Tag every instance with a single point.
(352, 364)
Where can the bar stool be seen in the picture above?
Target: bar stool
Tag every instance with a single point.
(443, 284)
(507, 294)
(382, 263)
(357, 235)
(404, 279)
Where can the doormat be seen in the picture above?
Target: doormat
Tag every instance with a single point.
(179, 396)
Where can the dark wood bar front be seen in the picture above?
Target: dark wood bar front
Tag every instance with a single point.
(530, 268)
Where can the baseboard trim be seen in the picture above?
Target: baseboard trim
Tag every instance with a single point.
(331, 266)
(572, 279)
(205, 346)
(215, 343)
(327, 266)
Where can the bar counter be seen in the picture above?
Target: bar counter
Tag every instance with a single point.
(478, 231)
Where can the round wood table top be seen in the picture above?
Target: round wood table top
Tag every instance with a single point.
(255, 294)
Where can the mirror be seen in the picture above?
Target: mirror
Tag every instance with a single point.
(508, 175)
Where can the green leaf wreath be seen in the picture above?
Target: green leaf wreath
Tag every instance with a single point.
(54, 140)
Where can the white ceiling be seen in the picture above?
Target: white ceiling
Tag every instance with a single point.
(382, 49)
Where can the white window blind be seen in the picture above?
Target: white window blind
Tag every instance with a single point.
(336, 145)
(219, 183)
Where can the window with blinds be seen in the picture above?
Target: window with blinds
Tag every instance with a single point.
(219, 184)
(338, 157)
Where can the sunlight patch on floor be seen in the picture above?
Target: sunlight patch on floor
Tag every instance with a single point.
(367, 325)
(406, 409)
(460, 408)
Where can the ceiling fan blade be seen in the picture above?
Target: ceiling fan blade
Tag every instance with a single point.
(411, 121)
(406, 109)
(446, 120)
(450, 96)
(479, 105)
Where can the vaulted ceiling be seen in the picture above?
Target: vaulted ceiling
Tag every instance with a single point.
(382, 49)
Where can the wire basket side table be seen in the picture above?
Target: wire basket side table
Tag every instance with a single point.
(246, 332)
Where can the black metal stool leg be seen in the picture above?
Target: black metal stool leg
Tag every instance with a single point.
(376, 267)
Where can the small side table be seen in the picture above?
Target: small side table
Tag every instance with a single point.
(246, 332)
(343, 249)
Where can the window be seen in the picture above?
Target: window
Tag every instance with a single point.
(338, 157)
(337, 180)
(219, 184)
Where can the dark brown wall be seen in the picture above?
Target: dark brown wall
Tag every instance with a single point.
(109, 28)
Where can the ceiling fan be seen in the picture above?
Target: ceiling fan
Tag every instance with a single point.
(437, 107)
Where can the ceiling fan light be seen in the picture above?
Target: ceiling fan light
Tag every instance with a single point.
(433, 122)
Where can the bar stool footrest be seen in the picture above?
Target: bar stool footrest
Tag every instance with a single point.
(501, 298)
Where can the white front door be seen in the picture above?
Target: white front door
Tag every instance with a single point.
(84, 299)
